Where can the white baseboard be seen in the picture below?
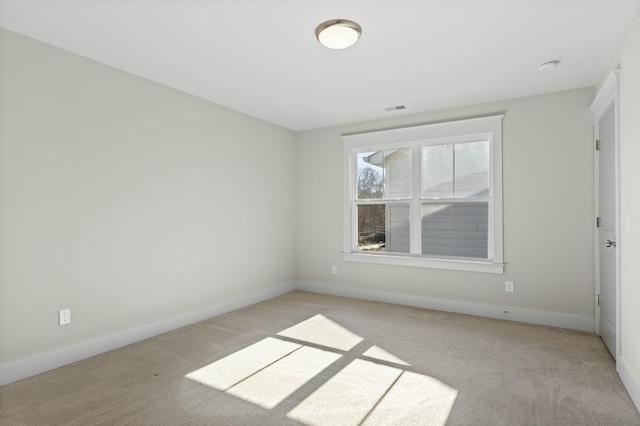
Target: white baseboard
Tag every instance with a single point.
(630, 380)
(21, 369)
(554, 319)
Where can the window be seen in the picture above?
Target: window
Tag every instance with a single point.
(427, 196)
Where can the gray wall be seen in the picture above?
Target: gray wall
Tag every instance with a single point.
(548, 210)
(127, 201)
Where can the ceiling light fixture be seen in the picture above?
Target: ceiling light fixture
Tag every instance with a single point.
(338, 33)
(549, 65)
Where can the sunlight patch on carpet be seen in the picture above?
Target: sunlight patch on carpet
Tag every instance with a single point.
(274, 384)
(382, 355)
(414, 399)
(347, 397)
(364, 392)
(236, 367)
(322, 331)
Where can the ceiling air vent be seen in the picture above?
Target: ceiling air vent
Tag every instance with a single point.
(396, 108)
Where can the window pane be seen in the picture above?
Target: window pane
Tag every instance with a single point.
(472, 169)
(370, 176)
(398, 231)
(459, 229)
(384, 174)
(455, 170)
(398, 173)
(437, 171)
(383, 228)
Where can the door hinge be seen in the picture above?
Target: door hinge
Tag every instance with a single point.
(598, 300)
(597, 222)
(597, 144)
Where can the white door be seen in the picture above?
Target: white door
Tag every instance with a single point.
(606, 232)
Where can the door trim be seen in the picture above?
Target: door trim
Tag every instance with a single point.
(606, 97)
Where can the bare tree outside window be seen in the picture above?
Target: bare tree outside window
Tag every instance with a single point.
(370, 184)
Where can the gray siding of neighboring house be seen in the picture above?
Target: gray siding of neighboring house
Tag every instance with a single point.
(455, 229)
(398, 228)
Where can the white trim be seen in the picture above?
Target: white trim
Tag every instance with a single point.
(489, 127)
(21, 369)
(444, 130)
(607, 93)
(496, 227)
(606, 97)
(425, 262)
(415, 239)
(553, 319)
(349, 217)
(629, 380)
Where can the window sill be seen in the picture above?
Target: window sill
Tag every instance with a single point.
(426, 262)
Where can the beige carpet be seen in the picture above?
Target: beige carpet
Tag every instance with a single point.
(324, 360)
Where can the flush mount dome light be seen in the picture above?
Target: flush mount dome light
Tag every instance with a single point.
(338, 33)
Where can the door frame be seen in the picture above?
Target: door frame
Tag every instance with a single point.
(606, 97)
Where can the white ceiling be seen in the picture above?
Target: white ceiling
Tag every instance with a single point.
(261, 57)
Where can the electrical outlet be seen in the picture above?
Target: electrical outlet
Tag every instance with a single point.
(64, 316)
(334, 269)
(509, 287)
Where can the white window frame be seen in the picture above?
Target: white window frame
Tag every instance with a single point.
(487, 128)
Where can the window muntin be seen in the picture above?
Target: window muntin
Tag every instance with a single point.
(438, 196)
